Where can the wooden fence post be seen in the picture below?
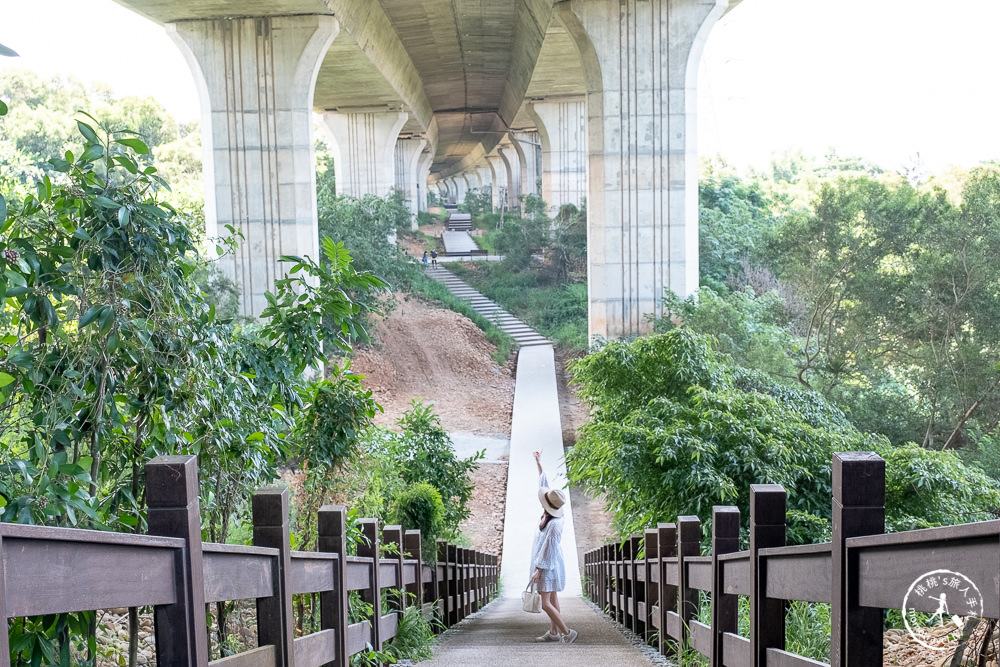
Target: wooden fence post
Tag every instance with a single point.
(652, 589)
(394, 535)
(275, 622)
(667, 541)
(369, 548)
(443, 581)
(688, 545)
(858, 509)
(468, 580)
(725, 539)
(767, 529)
(454, 589)
(619, 574)
(332, 538)
(413, 546)
(172, 499)
(635, 591)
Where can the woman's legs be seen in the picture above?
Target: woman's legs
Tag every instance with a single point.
(550, 605)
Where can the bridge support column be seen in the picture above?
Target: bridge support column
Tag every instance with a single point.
(513, 158)
(562, 126)
(501, 178)
(640, 59)
(461, 188)
(423, 174)
(486, 179)
(364, 146)
(408, 152)
(256, 77)
(529, 144)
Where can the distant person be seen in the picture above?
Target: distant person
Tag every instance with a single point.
(434, 257)
(424, 260)
(548, 569)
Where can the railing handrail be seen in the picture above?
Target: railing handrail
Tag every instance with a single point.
(173, 570)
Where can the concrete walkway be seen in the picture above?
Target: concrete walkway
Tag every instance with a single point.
(458, 243)
(504, 636)
(535, 425)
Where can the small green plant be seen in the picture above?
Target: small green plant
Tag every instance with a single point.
(420, 507)
(414, 635)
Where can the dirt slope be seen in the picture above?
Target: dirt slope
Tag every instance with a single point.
(442, 358)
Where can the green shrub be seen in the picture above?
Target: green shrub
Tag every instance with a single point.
(674, 430)
(419, 507)
(424, 453)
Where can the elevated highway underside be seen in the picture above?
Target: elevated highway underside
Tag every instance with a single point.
(571, 99)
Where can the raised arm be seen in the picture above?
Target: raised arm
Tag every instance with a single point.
(538, 461)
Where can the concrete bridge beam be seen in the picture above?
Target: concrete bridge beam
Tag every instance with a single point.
(407, 168)
(256, 77)
(364, 145)
(640, 61)
(562, 127)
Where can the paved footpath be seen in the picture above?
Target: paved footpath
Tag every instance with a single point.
(504, 636)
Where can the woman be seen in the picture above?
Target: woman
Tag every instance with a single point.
(547, 568)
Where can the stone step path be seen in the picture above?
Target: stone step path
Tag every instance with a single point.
(502, 635)
(522, 334)
(458, 243)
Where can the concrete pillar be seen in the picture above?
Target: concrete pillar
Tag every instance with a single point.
(461, 187)
(408, 153)
(562, 127)
(530, 146)
(640, 59)
(364, 150)
(255, 78)
(471, 180)
(486, 178)
(513, 159)
(501, 178)
(423, 173)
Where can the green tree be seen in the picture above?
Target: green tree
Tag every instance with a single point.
(674, 430)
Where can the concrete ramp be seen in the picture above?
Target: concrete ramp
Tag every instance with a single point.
(535, 425)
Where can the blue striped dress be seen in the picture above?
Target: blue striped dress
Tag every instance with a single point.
(547, 554)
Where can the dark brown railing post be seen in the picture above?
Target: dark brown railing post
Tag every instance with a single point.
(454, 586)
(618, 552)
(767, 529)
(332, 538)
(172, 498)
(443, 580)
(469, 590)
(394, 535)
(611, 584)
(725, 539)
(858, 509)
(275, 622)
(412, 545)
(667, 541)
(688, 545)
(369, 548)
(636, 592)
(652, 592)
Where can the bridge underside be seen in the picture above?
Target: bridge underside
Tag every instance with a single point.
(578, 101)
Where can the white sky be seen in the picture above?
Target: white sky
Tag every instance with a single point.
(881, 79)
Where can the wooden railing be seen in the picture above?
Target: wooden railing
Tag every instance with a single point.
(861, 572)
(56, 570)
